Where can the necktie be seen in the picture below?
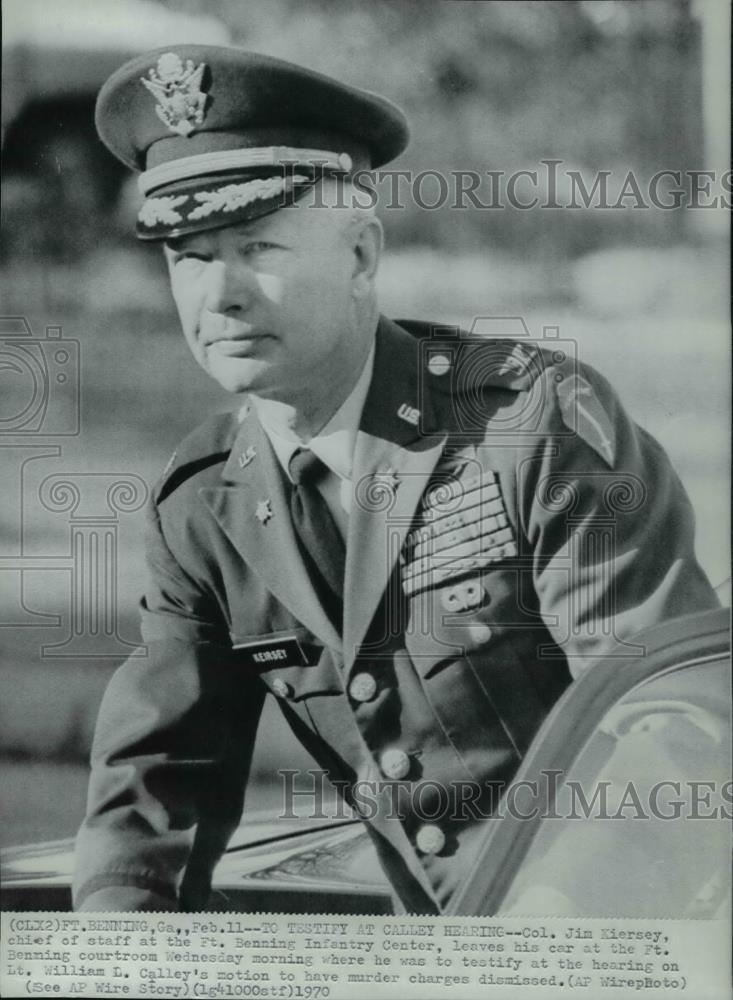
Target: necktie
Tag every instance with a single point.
(317, 530)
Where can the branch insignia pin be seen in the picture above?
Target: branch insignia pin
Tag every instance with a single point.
(247, 456)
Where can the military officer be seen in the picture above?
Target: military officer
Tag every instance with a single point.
(411, 538)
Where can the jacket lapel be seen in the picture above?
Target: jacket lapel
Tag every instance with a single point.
(254, 511)
(397, 449)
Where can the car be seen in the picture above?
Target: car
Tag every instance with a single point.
(620, 808)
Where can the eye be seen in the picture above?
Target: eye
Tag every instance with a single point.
(184, 255)
(257, 246)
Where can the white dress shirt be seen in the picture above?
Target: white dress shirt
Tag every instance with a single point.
(334, 444)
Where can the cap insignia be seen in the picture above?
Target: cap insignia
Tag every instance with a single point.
(177, 90)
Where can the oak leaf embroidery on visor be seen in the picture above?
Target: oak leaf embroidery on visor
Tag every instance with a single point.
(162, 210)
(234, 196)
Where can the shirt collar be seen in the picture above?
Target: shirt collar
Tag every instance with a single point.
(335, 443)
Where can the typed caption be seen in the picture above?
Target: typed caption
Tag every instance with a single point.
(334, 957)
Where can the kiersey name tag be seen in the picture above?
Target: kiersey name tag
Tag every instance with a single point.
(284, 651)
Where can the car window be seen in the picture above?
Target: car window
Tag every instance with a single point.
(642, 827)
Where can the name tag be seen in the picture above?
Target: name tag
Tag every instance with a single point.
(285, 651)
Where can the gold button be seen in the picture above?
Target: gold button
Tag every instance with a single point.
(394, 763)
(438, 364)
(430, 839)
(281, 687)
(363, 687)
(479, 633)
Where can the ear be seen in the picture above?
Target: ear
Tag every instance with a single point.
(367, 246)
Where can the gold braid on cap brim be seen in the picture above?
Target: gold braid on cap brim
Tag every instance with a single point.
(163, 209)
(240, 159)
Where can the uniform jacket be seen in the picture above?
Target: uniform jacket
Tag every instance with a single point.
(510, 526)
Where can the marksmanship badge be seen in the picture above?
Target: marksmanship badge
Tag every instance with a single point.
(177, 89)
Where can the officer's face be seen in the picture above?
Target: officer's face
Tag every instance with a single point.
(272, 306)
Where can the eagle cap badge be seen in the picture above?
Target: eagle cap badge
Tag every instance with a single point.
(177, 90)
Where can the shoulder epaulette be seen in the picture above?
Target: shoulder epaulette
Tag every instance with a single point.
(209, 444)
(498, 354)
(467, 364)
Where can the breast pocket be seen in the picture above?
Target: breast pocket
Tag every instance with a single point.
(447, 622)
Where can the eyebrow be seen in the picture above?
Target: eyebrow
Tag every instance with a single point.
(251, 229)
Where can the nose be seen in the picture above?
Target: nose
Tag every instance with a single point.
(228, 287)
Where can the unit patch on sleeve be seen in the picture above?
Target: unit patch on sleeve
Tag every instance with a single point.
(583, 413)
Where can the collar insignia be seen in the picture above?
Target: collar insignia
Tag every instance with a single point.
(387, 479)
(263, 512)
(177, 90)
(409, 414)
(247, 456)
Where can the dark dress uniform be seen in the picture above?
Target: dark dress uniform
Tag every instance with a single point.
(510, 525)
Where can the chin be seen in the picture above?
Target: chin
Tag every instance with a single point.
(240, 374)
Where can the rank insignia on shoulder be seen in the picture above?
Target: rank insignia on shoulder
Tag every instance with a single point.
(517, 361)
(583, 413)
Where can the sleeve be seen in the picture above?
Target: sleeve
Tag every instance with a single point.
(171, 753)
(608, 526)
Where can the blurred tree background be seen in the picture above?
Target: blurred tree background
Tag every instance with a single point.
(500, 86)
(487, 86)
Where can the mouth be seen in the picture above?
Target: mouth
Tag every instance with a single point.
(238, 347)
